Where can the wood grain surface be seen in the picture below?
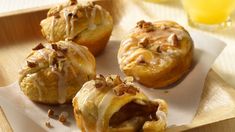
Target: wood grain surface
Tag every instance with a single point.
(20, 31)
(4, 124)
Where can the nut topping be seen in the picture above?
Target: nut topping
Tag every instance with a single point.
(38, 47)
(50, 113)
(128, 79)
(54, 46)
(159, 49)
(72, 2)
(144, 42)
(140, 23)
(48, 124)
(146, 26)
(140, 60)
(63, 117)
(172, 39)
(31, 64)
(100, 81)
(123, 88)
(100, 76)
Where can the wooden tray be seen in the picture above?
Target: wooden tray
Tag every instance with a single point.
(20, 31)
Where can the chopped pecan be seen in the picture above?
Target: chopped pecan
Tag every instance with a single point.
(172, 39)
(140, 23)
(123, 88)
(158, 49)
(31, 64)
(38, 47)
(128, 79)
(144, 42)
(72, 2)
(48, 124)
(54, 46)
(50, 113)
(100, 81)
(63, 117)
(148, 27)
(140, 60)
(100, 76)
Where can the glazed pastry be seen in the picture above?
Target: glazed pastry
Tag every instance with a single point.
(86, 24)
(112, 105)
(55, 72)
(156, 54)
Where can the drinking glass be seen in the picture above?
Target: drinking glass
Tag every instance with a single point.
(209, 13)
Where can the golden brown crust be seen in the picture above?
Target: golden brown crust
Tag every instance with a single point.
(156, 54)
(55, 72)
(112, 105)
(88, 24)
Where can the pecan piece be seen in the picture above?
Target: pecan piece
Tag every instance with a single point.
(144, 42)
(63, 117)
(140, 60)
(50, 113)
(148, 27)
(173, 40)
(158, 49)
(100, 81)
(54, 46)
(140, 23)
(38, 47)
(31, 64)
(123, 88)
(48, 124)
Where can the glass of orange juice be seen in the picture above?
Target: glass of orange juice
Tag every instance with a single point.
(209, 13)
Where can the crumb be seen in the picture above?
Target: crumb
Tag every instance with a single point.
(50, 113)
(166, 91)
(48, 124)
(63, 117)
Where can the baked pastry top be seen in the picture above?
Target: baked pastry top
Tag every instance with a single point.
(110, 104)
(53, 73)
(156, 54)
(86, 24)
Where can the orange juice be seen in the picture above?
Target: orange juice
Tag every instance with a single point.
(209, 11)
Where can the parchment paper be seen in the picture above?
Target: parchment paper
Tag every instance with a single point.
(183, 97)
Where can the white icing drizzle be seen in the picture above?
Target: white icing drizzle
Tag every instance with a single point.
(92, 25)
(61, 86)
(52, 29)
(102, 108)
(67, 21)
(128, 47)
(161, 116)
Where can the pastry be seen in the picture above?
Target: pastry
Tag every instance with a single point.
(112, 105)
(53, 73)
(85, 24)
(156, 54)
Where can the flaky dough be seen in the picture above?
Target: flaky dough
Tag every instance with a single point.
(156, 54)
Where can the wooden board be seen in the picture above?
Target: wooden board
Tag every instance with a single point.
(4, 124)
(20, 31)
